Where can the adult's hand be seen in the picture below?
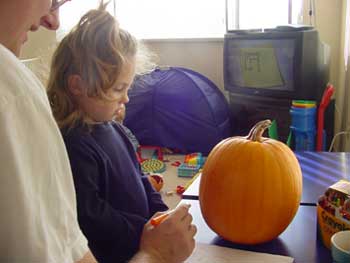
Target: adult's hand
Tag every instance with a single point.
(88, 258)
(172, 240)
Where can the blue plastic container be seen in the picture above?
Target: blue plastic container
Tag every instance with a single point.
(304, 140)
(186, 170)
(303, 119)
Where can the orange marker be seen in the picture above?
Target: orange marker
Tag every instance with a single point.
(159, 219)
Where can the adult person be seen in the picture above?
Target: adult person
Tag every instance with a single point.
(38, 221)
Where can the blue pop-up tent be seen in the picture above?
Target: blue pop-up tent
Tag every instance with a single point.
(177, 108)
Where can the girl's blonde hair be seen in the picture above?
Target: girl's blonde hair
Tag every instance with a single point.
(96, 49)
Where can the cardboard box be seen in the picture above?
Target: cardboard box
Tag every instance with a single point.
(333, 211)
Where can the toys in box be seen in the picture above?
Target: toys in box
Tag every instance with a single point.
(194, 159)
(333, 211)
(193, 162)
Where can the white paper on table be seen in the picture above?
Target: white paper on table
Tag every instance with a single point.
(204, 253)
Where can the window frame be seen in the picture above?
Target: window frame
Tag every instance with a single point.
(228, 14)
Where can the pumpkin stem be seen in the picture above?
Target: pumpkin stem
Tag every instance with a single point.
(257, 131)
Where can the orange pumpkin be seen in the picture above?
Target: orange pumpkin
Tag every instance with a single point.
(250, 187)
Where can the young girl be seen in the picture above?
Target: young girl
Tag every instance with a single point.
(92, 70)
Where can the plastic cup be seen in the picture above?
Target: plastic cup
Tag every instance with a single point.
(340, 245)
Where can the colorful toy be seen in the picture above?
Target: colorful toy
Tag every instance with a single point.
(194, 159)
(153, 166)
(303, 126)
(193, 162)
(156, 181)
(304, 103)
(240, 195)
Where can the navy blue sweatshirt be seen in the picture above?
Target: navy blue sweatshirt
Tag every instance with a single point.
(114, 198)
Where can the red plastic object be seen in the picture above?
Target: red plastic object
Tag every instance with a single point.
(156, 148)
(177, 163)
(326, 98)
(180, 189)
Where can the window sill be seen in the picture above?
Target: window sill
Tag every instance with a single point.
(177, 40)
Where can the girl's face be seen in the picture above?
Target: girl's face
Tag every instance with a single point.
(17, 17)
(99, 110)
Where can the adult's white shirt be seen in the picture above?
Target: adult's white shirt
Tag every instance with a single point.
(38, 217)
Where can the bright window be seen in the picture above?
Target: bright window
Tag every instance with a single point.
(172, 19)
(257, 14)
(166, 19)
(265, 13)
(72, 11)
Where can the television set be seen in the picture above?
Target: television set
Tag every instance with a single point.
(284, 62)
(264, 70)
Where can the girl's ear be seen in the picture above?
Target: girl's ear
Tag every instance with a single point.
(75, 85)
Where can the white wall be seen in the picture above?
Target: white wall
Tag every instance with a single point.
(204, 56)
(329, 24)
(39, 44)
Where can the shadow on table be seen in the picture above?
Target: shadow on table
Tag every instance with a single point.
(275, 246)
